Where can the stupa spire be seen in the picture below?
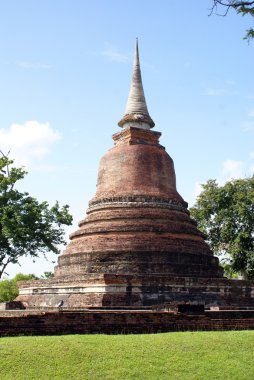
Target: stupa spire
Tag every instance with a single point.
(136, 112)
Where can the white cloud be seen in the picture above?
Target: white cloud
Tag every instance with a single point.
(251, 169)
(44, 168)
(251, 113)
(192, 197)
(215, 91)
(28, 142)
(248, 126)
(113, 55)
(197, 189)
(236, 169)
(211, 91)
(33, 65)
(232, 169)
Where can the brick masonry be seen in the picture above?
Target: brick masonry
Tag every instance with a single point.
(137, 246)
(115, 322)
(135, 291)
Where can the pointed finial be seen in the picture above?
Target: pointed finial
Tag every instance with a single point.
(136, 112)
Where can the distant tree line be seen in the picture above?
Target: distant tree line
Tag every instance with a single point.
(27, 227)
(226, 215)
(9, 288)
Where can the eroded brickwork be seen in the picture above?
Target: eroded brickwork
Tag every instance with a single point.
(137, 223)
(124, 322)
(137, 246)
(135, 291)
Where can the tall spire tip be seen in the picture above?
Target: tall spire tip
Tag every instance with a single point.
(136, 112)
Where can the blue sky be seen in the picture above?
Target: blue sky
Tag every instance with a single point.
(65, 69)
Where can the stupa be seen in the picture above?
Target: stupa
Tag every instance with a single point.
(137, 246)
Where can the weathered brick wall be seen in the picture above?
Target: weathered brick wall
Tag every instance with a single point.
(135, 291)
(112, 322)
(137, 222)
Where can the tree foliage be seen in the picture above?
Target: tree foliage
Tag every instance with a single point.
(27, 227)
(222, 7)
(226, 215)
(9, 289)
(47, 275)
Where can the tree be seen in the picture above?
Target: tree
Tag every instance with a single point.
(47, 275)
(226, 215)
(241, 7)
(9, 289)
(27, 227)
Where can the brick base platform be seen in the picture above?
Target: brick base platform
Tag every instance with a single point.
(25, 322)
(134, 291)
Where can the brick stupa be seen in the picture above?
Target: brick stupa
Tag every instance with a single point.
(137, 246)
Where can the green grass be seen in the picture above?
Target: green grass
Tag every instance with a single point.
(183, 355)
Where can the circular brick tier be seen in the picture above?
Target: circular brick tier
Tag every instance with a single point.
(137, 223)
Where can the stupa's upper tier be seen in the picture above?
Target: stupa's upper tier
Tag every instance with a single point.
(137, 165)
(136, 112)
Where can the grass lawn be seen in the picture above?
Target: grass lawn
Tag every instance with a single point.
(182, 355)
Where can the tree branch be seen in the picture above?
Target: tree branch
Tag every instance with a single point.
(234, 4)
(230, 4)
(3, 268)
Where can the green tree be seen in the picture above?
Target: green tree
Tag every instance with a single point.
(27, 227)
(222, 7)
(47, 275)
(8, 288)
(226, 215)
